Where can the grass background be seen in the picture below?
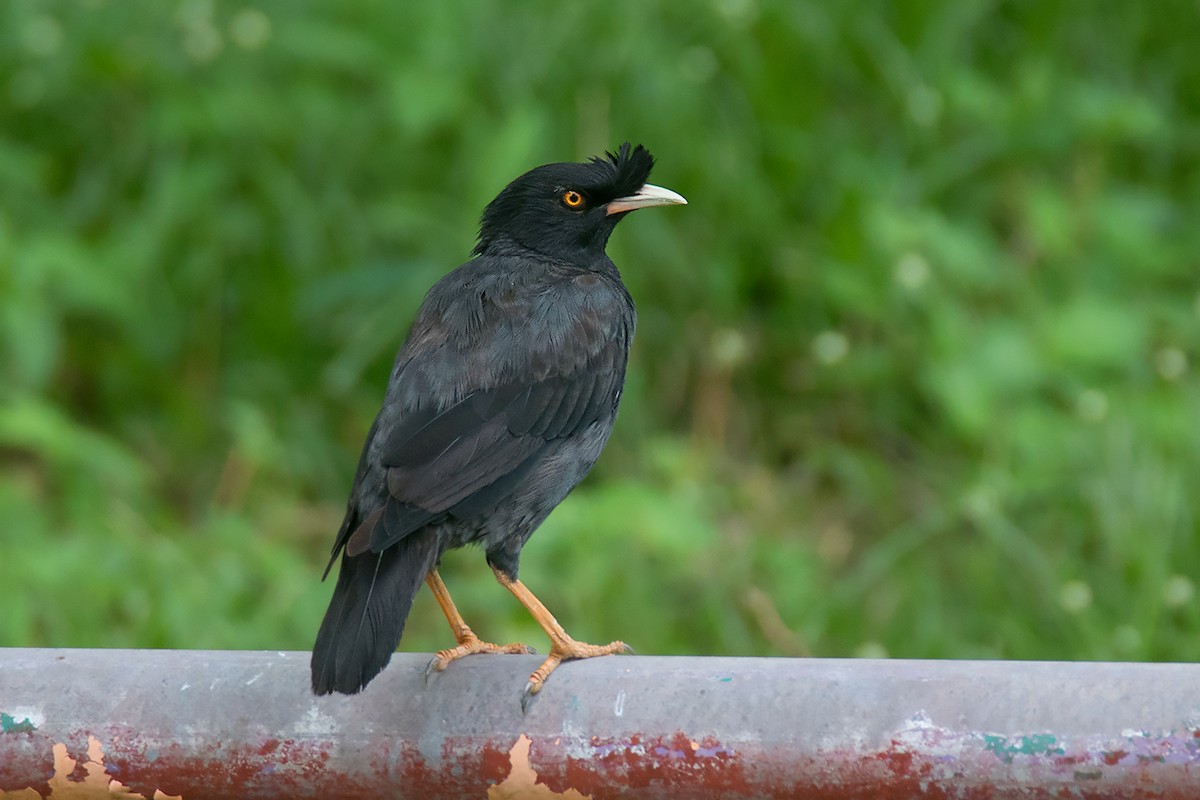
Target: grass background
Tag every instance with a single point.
(916, 371)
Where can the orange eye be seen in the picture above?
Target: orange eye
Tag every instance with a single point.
(573, 199)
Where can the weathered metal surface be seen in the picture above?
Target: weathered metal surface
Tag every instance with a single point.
(244, 725)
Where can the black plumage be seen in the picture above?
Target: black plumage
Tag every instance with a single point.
(499, 403)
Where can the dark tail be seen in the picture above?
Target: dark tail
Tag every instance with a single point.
(365, 620)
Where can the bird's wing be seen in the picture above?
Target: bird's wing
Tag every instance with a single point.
(464, 458)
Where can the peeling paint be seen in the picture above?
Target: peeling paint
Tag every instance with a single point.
(920, 759)
(96, 784)
(522, 781)
(9, 724)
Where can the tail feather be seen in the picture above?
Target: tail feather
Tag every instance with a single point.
(366, 616)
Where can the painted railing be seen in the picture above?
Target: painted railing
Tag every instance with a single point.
(91, 723)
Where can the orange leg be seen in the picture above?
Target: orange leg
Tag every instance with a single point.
(468, 642)
(562, 646)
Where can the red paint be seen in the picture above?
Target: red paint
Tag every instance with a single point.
(26, 760)
(650, 765)
(494, 764)
(899, 760)
(1072, 760)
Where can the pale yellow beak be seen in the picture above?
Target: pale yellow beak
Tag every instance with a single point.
(649, 195)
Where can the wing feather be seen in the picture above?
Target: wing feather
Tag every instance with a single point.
(466, 458)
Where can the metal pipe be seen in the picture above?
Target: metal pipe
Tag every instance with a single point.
(244, 725)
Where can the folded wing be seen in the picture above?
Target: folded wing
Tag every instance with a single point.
(464, 459)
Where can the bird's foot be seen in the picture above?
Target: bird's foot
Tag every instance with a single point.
(468, 645)
(564, 650)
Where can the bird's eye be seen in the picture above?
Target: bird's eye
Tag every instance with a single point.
(572, 199)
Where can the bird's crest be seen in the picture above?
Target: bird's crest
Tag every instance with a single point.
(624, 172)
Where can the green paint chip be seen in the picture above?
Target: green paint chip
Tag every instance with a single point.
(9, 724)
(1037, 745)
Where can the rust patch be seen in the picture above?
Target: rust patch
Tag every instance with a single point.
(522, 780)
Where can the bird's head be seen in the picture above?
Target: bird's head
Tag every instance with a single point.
(567, 211)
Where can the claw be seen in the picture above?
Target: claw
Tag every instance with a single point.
(527, 694)
(430, 667)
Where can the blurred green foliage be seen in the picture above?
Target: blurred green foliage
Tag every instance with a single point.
(916, 370)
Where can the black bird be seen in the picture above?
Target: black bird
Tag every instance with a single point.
(499, 403)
